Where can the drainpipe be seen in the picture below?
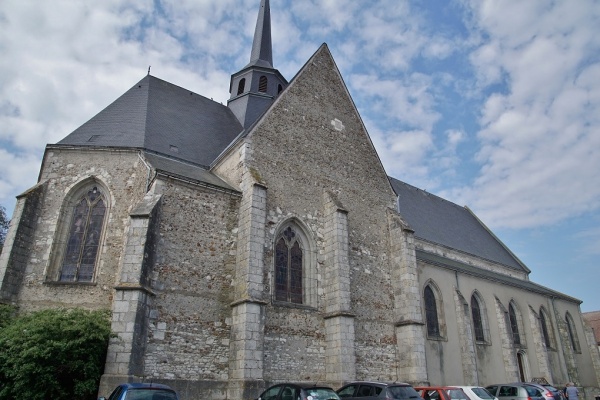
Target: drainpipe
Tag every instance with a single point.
(149, 171)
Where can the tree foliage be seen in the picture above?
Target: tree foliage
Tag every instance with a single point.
(53, 354)
(4, 221)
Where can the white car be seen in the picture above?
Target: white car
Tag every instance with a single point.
(474, 393)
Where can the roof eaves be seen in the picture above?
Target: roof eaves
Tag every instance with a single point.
(498, 240)
(466, 253)
(490, 275)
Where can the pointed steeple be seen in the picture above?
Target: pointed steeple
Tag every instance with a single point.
(254, 88)
(262, 50)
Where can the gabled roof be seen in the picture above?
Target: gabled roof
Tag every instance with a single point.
(160, 117)
(440, 221)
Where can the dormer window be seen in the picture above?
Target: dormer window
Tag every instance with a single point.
(241, 86)
(262, 84)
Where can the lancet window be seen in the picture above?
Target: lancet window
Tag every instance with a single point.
(83, 239)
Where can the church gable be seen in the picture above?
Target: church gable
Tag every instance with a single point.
(313, 138)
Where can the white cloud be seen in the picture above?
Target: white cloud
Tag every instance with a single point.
(540, 137)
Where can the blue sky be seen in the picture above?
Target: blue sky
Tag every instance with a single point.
(490, 104)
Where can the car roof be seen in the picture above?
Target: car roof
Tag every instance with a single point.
(304, 385)
(436, 387)
(145, 385)
(379, 383)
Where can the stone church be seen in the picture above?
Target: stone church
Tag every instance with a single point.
(262, 241)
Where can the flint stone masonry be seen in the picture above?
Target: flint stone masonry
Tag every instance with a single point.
(295, 134)
(62, 170)
(18, 242)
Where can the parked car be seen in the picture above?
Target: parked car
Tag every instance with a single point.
(511, 391)
(298, 391)
(142, 391)
(476, 393)
(433, 393)
(548, 391)
(378, 390)
(454, 393)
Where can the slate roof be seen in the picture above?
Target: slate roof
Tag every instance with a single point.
(262, 50)
(182, 133)
(160, 117)
(491, 275)
(443, 222)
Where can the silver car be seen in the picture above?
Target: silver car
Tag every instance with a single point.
(512, 391)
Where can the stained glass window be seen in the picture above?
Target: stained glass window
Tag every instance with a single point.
(431, 314)
(477, 320)
(514, 326)
(572, 333)
(84, 238)
(288, 268)
(545, 333)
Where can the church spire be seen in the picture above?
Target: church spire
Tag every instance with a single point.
(262, 50)
(254, 88)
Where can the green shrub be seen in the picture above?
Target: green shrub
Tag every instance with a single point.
(53, 354)
(7, 314)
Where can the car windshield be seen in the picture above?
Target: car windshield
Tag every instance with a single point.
(403, 392)
(321, 394)
(150, 394)
(482, 393)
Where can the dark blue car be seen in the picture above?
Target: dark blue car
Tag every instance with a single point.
(142, 391)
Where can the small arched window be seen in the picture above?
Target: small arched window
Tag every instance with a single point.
(572, 333)
(262, 84)
(431, 313)
(546, 332)
(241, 86)
(279, 88)
(477, 319)
(514, 324)
(288, 267)
(83, 240)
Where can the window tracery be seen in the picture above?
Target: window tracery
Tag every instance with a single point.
(288, 268)
(80, 252)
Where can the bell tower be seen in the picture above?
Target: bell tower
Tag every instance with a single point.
(255, 86)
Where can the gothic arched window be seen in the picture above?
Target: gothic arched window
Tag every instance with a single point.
(262, 84)
(431, 313)
(546, 333)
(514, 324)
(83, 239)
(288, 267)
(477, 319)
(241, 86)
(572, 333)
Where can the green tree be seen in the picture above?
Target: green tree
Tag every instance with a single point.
(53, 354)
(4, 221)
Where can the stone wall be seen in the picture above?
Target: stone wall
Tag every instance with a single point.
(18, 243)
(190, 319)
(312, 143)
(62, 170)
